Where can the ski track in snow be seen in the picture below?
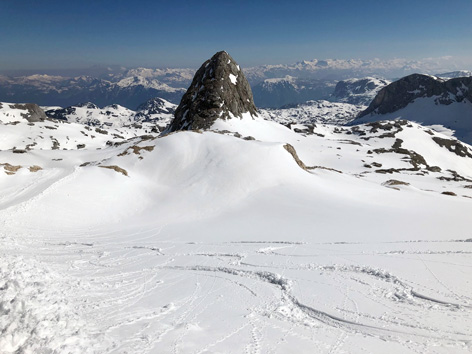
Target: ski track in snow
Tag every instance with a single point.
(120, 275)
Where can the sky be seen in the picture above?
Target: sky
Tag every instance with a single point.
(47, 34)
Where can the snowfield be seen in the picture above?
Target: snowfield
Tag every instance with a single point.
(320, 111)
(456, 116)
(252, 237)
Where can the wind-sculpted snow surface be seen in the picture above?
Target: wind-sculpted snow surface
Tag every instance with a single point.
(218, 242)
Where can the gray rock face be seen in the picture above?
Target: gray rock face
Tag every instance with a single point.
(219, 90)
(400, 93)
(34, 112)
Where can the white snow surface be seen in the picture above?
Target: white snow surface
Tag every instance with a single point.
(9, 114)
(456, 116)
(360, 91)
(209, 243)
(113, 115)
(319, 111)
(233, 78)
(156, 110)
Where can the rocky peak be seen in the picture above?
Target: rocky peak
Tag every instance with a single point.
(219, 90)
(400, 93)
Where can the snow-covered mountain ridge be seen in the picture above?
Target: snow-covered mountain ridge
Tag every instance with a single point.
(358, 91)
(321, 111)
(156, 110)
(341, 69)
(65, 91)
(428, 100)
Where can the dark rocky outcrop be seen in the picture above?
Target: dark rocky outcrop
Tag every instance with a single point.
(219, 90)
(33, 112)
(400, 93)
(453, 146)
(62, 113)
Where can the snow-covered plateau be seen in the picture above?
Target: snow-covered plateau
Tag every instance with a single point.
(248, 237)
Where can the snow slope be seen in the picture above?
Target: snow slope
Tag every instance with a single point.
(90, 114)
(155, 110)
(427, 100)
(358, 91)
(221, 242)
(456, 116)
(320, 111)
(9, 114)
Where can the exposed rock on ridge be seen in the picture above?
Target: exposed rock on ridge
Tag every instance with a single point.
(218, 90)
(33, 113)
(400, 93)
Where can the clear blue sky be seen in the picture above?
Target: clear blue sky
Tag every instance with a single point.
(65, 34)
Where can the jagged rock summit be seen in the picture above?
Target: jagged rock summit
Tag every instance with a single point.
(218, 90)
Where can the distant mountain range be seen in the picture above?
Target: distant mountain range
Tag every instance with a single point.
(128, 91)
(341, 69)
(273, 85)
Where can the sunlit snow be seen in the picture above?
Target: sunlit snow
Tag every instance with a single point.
(220, 242)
